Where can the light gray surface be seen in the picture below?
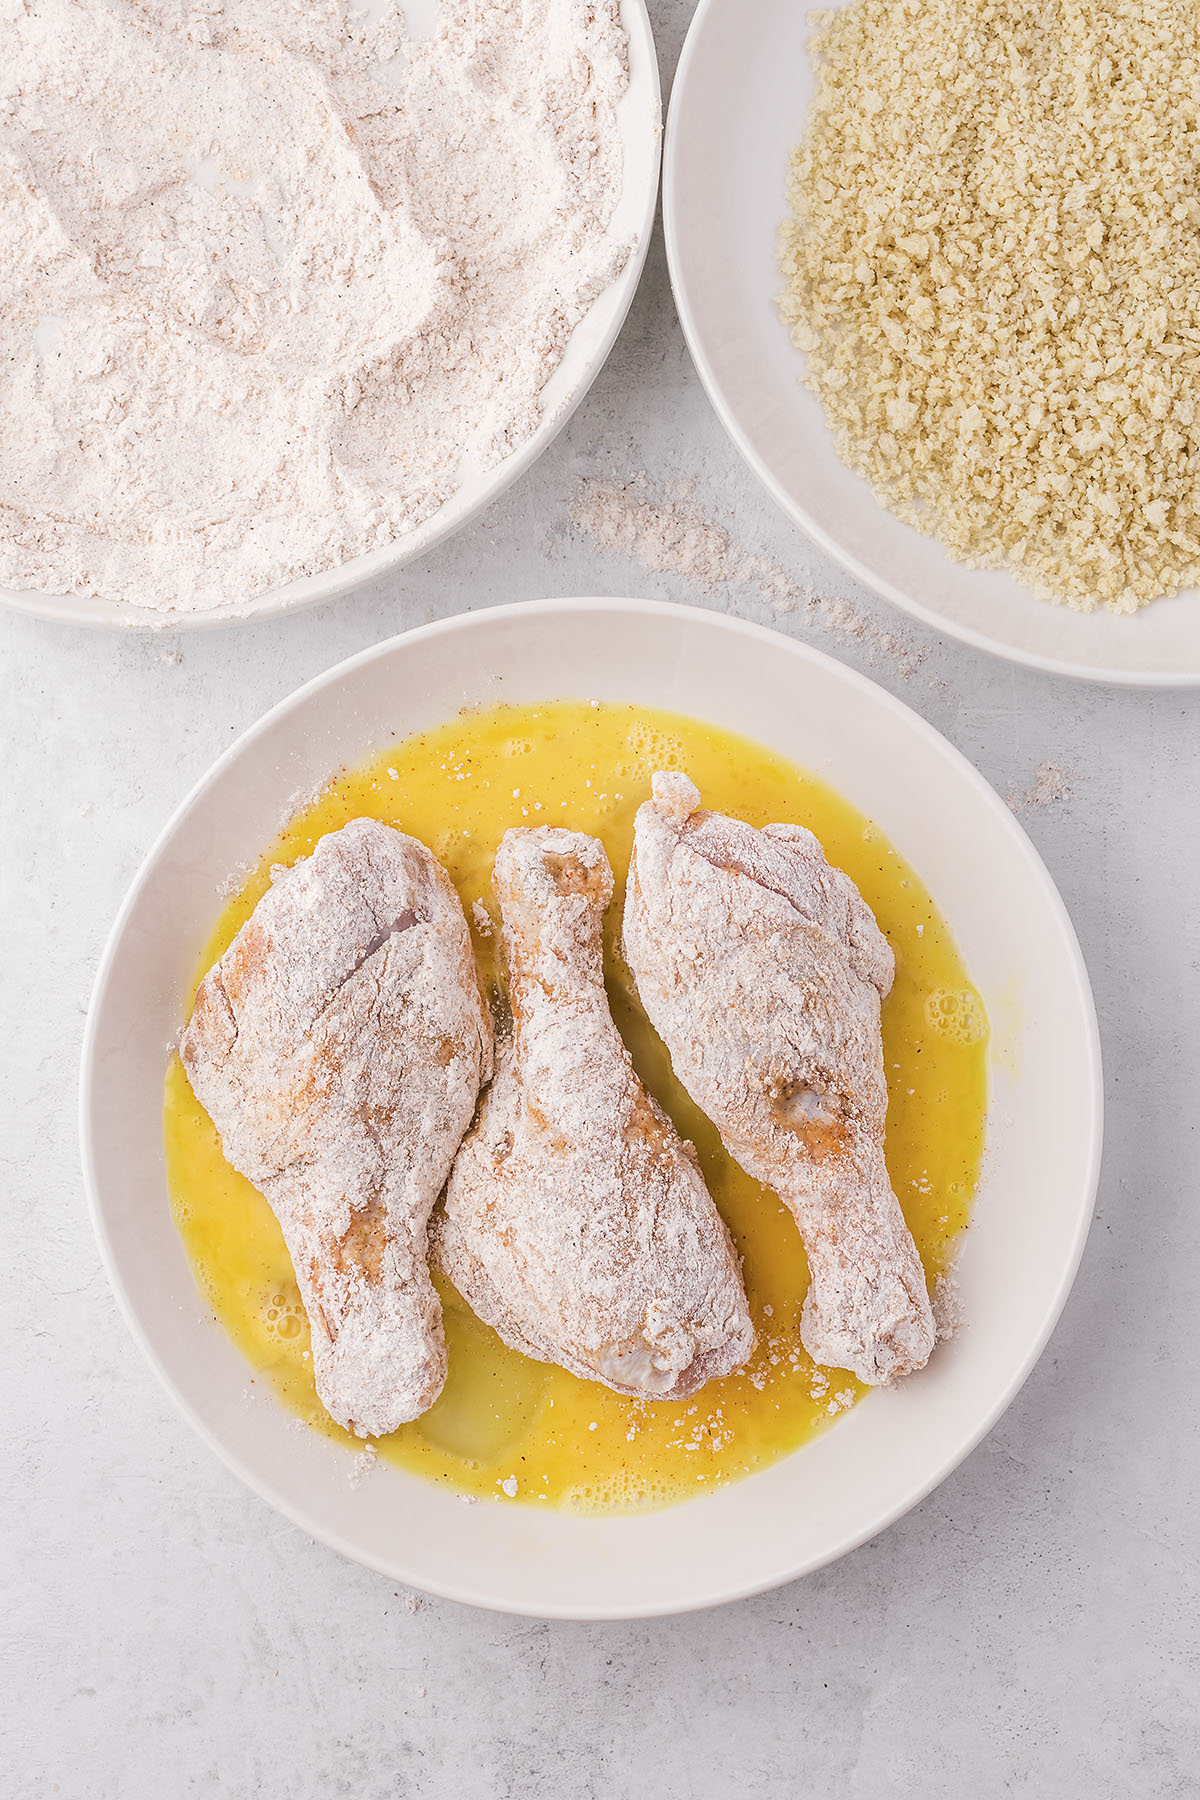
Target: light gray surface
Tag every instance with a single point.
(1030, 1630)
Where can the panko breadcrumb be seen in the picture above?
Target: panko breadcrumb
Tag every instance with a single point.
(993, 270)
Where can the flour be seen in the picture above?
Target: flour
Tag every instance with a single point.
(1051, 787)
(364, 1464)
(339, 1046)
(275, 277)
(576, 1223)
(949, 1315)
(762, 969)
(669, 535)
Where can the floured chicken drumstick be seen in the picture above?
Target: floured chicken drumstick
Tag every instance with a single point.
(763, 970)
(577, 1222)
(339, 1046)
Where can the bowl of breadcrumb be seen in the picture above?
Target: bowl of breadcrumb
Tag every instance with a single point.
(939, 269)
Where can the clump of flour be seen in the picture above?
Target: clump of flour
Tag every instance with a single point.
(949, 1314)
(1051, 786)
(668, 534)
(273, 278)
(363, 1465)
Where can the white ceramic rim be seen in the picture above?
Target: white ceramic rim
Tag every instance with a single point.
(395, 1569)
(788, 501)
(639, 111)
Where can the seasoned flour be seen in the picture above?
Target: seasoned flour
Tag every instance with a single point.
(274, 274)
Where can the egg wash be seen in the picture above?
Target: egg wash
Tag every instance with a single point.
(507, 1427)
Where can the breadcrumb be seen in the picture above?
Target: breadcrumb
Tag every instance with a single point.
(993, 269)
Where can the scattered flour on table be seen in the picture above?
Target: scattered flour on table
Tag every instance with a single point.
(1050, 787)
(668, 534)
(275, 277)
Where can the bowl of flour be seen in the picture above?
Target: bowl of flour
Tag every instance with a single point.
(290, 294)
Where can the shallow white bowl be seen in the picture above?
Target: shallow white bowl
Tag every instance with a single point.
(738, 108)
(639, 117)
(1033, 1209)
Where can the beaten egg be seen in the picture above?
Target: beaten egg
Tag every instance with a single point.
(505, 1426)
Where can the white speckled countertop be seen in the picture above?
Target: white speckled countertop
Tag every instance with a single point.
(1031, 1630)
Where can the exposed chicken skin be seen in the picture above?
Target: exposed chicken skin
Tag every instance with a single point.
(763, 970)
(339, 1046)
(576, 1221)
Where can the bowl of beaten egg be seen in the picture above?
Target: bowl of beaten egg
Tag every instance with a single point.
(525, 1487)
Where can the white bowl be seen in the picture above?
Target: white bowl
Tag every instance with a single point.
(639, 118)
(1030, 1219)
(738, 108)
